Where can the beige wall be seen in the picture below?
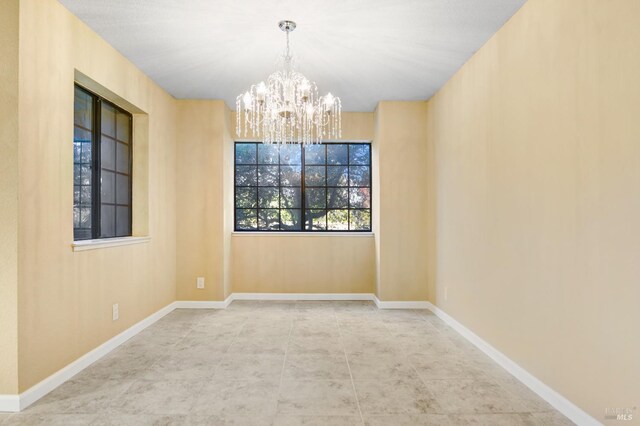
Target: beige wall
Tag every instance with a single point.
(200, 201)
(65, 297)
(538, 196)
(357, 126)
(9, 196)
(228, 194)
(303, 264)
(400, 197)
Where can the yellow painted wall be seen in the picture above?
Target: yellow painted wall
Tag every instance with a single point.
(228, 178)
(357, 126)
(400, 200)
(9, 21)
(537, 150)
(65, 297)
(200, 201)
(303, 264)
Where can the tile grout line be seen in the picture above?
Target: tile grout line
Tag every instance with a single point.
(284, 363)
(126, 389)
(203, 384)
(406, 358)
(246, 321)
(226, 351)
(483, 375)
(418, 376)
(353, 385)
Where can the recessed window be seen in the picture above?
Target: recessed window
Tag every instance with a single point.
(102, 147)
(314, 188)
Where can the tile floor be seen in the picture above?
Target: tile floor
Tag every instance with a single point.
(293, 363)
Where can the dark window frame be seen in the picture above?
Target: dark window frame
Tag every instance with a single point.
(303, 186)
(97, 166)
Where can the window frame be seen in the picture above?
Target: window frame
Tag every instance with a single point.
(303, 208)
(96, 166)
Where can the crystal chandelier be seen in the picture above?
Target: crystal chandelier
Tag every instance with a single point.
(287, 108)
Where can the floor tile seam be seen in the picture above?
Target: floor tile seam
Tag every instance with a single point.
(164, 354)
(519, 400)
(104, 383)
(424, 383)
(515, 397)
(448, 413)
(484, 413)
(415, 370)
(57, 413)
(196, 328)
(235, 338)
(425, 320)
(474, 379)
(113, 400)
(284, 363)
(200, 387)
(353, 385)
(287, 380)
(448, 378)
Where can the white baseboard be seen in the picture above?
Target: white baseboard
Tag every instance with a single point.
(333, 296)
(9, 403)
(208, 304)
(559, 402)
(39, 390)
(383, 304)
(302, 296)
(15, 403)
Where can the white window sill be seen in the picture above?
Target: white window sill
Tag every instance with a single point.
(107, 242)
(300, 234)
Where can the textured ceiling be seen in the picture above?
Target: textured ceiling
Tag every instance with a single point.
(361, 50)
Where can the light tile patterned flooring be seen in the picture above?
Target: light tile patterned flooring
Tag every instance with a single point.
(293, 363)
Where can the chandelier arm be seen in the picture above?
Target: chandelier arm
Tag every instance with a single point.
(288, 108)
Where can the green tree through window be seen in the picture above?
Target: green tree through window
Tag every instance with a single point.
(314, 188)
(102, 168)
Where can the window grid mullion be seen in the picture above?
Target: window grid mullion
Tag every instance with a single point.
(326, 190)
(279, 191)
(303, 195)
(303, 189)
(96, 193)
(257, 190)
(370, 190)
(348, 187)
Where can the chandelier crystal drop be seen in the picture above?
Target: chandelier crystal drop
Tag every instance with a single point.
(287, 108)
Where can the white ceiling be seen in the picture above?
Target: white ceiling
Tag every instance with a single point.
(361, 50)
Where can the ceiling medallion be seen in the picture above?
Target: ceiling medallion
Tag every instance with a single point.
(287, 108)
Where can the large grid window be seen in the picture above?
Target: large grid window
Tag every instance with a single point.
(316, 188)
(102, 150)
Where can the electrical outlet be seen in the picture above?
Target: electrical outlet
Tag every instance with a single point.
(116, 311)
(446, 293)
(200, 282)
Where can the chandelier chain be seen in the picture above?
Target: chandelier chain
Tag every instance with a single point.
(288, 52)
